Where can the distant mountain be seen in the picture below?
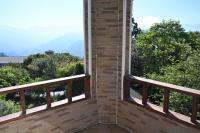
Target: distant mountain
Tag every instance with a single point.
(15, 42)
(63, 44)
(77, 48)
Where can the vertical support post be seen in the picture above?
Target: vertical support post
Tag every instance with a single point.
(123, 61)
(69, 91)
(166, 100)
(87, 86)
(23, 102)
(195, 101)
(126, 88)
(144, 94)
(89, 24)
(48, 98)
(85, 22)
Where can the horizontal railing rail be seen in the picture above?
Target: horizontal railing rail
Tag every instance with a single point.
(147, 83)
(48, 84)
(45, 83)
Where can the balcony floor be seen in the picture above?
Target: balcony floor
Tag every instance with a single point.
(100, 128)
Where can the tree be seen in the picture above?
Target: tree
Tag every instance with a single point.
(135, 29)
(70, 69)
(164, 44)
(11, 76)
(167, 53)
(2, 54)
(193, 38)
(42, 67)
(31, 58)
(8, 107)
(185, 73)
(37, 68)
(73, 69)
(49, 52)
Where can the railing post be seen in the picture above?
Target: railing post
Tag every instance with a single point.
(126, 91)
(195, 101)
(23, 102)
(69, 91)
(87, 86)
(144, 94)
(48, 97)
(166, 100)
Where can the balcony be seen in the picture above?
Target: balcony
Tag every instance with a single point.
(107, 104)
(80, 113)
(100, 128)
(65, 110)
(143, 101)
(48, 85)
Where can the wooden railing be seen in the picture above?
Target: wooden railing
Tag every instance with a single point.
(147, 83)
(48, 84)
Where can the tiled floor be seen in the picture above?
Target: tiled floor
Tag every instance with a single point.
(100, 128)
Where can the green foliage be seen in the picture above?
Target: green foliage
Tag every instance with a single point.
(36, 68)
(11, 76)
(135, 29)
(8, 107)
(34, 101)
(73, 69)
(164, 44)
(42, 67)
(45, 65)
(194, 40)
(31, 58)
(4, 83)
(70, 69)
(167, 53)
(185, 73)
(181, 103)
(39, 91)
(155, 95)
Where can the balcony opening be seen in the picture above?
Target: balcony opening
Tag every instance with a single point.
(41, 44)
(166, 47)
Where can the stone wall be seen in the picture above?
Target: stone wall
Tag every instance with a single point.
(71, 118)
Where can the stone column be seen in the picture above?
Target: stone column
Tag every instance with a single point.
(110, 37)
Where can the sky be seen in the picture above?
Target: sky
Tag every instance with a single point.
(148, 12)
(58, 15)
(31, 26)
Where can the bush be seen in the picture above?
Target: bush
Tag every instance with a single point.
(8, 107)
